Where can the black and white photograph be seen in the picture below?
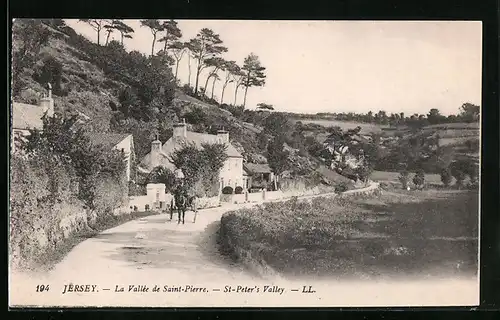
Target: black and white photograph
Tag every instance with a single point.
(244, 163)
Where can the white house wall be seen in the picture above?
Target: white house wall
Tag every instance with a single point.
(232, 173)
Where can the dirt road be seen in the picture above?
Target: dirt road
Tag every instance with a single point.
(155, 251)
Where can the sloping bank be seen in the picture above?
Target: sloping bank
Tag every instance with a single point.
(286, 234)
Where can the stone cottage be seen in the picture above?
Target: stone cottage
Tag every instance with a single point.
(258, 175)
(231, 174)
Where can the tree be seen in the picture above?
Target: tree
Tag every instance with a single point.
(238, 78)
(178, 50)
(201, 166)
(155, 26)
(229, 67)
(124, 29)
(51, 72)
(264, 106)
(162, 175)
(404, 178)
(215, 78)
(206, 44)
(97, 25)
(419, 178)
(28, 37)
(216, 63)
(434, 117)
(459, 172)
(276, 124)
(109, 30)
(470, 112)
(172, 33)
(472, 145)
(277, 156)
(254, 74)
(446, 176)
(61, 139)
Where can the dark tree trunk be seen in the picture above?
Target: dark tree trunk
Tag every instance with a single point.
(222, 94)
(189, 69)
(153, 45)
(245, 97)
(235, 94)
(107, 37)
(122, 37)
(198, 71)
(176, 70)
(213, 85)
(165, 46)
(206, 83)
(98, 37)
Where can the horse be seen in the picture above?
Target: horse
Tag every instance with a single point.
(180, 204)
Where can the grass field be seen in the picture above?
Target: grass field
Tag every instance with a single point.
(366, 128)
(398, 234)
(385, 176)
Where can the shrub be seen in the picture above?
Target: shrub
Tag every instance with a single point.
(419, 178)
(446, 176)
(227, 190)
(461, 168)
(472, 145)
(238, 190)
(404, 178)
(341, 187)
(147, 207)
(459, 176)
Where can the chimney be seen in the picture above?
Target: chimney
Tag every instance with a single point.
(223, 136)
(47, 103)
(155, 153)
(180, 130)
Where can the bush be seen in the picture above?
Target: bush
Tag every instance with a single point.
(404, 178)
(419, 178)
(227, 190)
(472, 145)
(446, 176)
(341, 187)
(238, 190)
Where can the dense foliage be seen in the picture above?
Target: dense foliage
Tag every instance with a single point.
(56, 173)
(201, 166)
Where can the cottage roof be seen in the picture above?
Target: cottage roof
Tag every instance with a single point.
(108, 140)
(26, 116)
(191, 137)
(257, 168)
(201, 138)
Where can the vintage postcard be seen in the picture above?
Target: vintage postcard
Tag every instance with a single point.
(213, 163)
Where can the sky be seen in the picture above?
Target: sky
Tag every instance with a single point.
(343, 66)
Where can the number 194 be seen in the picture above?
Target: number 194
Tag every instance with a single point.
(42, 288)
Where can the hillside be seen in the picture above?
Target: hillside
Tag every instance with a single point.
(94, 92)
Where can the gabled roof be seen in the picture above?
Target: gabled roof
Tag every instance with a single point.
(191, 137)
(257, 168)
(108, 140)
(201, 138)
(26, 116)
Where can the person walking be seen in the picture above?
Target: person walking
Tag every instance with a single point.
(194, 207)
